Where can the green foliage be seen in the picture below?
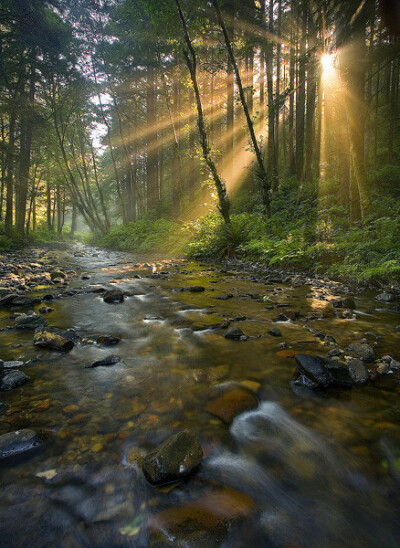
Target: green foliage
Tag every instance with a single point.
(310, 233)
(143, 235)
(6, 243)
(386, 180)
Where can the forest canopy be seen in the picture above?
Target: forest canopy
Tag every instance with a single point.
(266, 128)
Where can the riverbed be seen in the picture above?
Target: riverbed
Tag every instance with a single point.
(305, 468)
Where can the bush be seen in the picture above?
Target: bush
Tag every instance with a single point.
(143, 235)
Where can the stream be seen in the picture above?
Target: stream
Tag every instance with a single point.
(303, 469)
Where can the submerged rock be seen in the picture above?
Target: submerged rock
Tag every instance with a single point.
(20, 441)
(203, 523)
(363, 351)
(30, 321)
(232, 403)
(108, 360)
(345, 302)
(275, 332)
(196, 289)
(14, 379)
(113, 296)
(47, 338)
(175, 458)
(384, 297)
(235, 333)
(108, 340)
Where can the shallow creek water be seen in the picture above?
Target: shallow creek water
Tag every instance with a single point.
(307, 469)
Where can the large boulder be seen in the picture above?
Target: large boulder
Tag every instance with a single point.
(20, 441)
(314, 368)
(23, 300)
(30, 321)
(174, 459)
(46, 338)
(340, 374)
(319, 373)
(14, 379)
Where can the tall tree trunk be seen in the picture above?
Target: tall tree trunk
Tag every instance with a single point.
(270, 90)
(230, 99)
(310, 116)
(292, 62)
(301, 96)
(191, 61)
(262, 174)
(151, 157)
(21, 189)
(48, 207)
(353, 72)
(277, 93)
(9, 177)
(394, 107)
(74, 221)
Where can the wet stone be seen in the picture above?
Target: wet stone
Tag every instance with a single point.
(13, 364)
(235, 333)
(340, 374)
(49, 339)
(108, 360)
(358, 371)
(20, 441)
(46, 309)
(345, 302)
(196, 289)
(362, 351)
(234, 402)
(30, 321)
(108, 340)
(14, 379)
(275, 332)
(314, 368)
(175, 458)
(113, 296)
(203, 523)
(384, 297)
(56, 275)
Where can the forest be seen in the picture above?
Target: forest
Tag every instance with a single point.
(199, 273)
(224, 128)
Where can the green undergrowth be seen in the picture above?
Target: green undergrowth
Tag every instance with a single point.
(143, 236)
(308, 231)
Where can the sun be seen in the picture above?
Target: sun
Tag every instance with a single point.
(327, 62)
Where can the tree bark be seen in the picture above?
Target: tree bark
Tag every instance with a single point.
(191, 61)
(262, 174)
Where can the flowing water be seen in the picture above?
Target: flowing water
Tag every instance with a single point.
(314, 469)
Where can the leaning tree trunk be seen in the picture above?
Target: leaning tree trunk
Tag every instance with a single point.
(265, 184)
(191, 61)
